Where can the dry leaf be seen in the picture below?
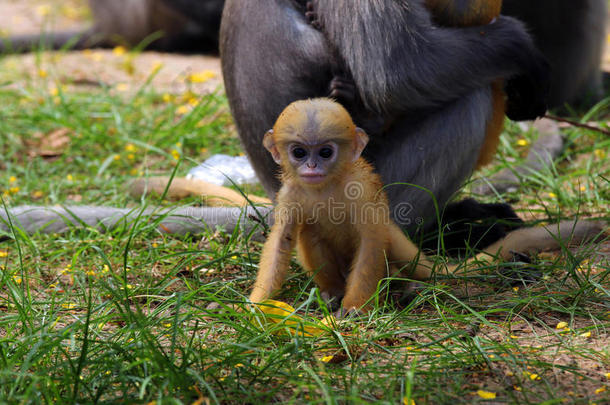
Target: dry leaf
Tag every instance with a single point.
(50, 145)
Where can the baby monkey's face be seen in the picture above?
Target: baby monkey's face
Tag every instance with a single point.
(312, 163)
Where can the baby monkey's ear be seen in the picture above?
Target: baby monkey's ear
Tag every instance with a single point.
(269, 144)
(361, 139)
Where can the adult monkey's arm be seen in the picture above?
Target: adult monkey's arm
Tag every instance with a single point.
(430, 65)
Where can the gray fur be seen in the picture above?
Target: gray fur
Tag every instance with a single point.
(430, 84)
(540, 156)
(571, 34)
(400, 61)
(437, 154)
(179, 221)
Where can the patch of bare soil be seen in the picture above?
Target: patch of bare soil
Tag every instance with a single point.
(34, 16)
(126, 71)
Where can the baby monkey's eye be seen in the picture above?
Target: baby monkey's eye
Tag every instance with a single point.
(299, 153)
(326, 152)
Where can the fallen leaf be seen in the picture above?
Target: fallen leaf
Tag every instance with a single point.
(50, 145)
(278, 312)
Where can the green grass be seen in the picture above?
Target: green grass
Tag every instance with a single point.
(131, 315)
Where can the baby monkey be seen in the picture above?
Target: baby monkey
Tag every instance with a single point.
(333, 208)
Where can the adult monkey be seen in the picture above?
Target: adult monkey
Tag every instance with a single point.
(429, 85)
(182, 29)
(571, 34)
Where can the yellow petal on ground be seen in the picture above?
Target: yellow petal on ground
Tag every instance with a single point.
(183, 109)
(522, 142)
(407, 401)
(561, 325)
(43, 10)
(531, 376)
(156, 67)
(201, 77)
(119, 50)
(586, 334)
(326, 359)
(599, 153)
(486, 394)
(600, 390)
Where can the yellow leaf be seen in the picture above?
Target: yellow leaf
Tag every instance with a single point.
(586, 334)
(600, 390)
(561, 325)
(486, 394)
(273, 307)
(278, 311)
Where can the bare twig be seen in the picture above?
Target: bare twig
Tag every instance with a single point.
(578, 124)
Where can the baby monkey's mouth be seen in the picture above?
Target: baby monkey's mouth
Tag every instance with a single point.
(312, 178)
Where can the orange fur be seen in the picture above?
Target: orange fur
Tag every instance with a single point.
(342, 229)
(470, 13)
